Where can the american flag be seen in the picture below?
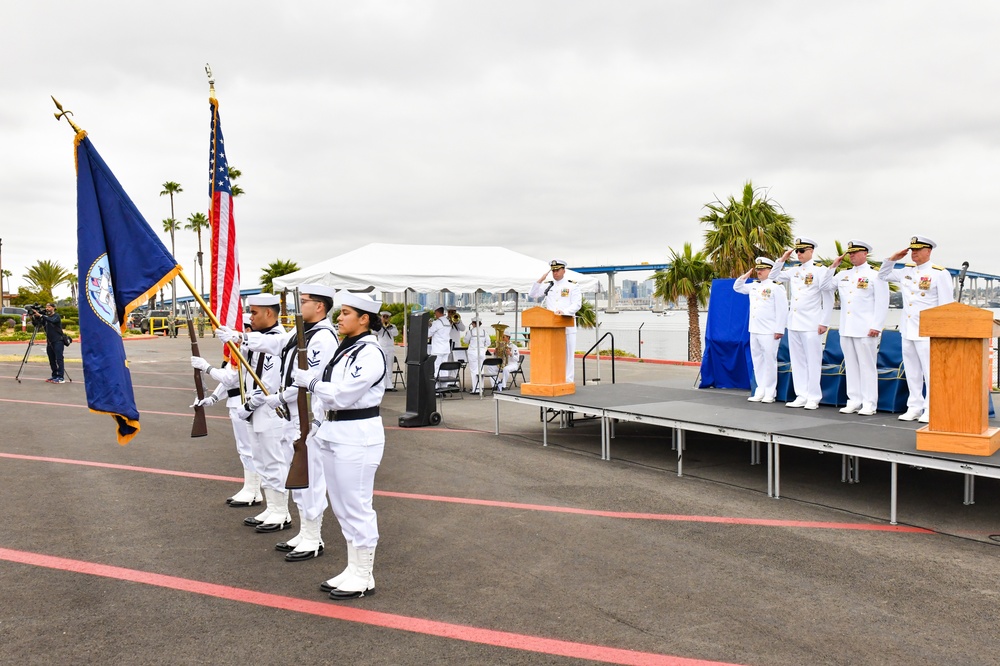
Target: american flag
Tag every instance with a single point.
(225, 294)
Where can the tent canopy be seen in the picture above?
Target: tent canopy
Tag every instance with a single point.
(428, 268)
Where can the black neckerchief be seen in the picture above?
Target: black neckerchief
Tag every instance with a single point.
(344, 345)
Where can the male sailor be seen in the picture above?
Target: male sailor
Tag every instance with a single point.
(563, 297)
(439, 333)
(387, 340)
(768, 316)
(478, 341)
(923, 286)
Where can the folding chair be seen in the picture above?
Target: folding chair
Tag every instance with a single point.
(892, 389)
(833, 376)
(517, 371)
(447, 382)
(397, 373)
(496, 364)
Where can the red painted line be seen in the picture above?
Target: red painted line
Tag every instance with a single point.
(145, 411)
(348, 613)
(724, 520)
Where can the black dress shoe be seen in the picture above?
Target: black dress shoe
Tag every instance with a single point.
(263, 528)
(341, 595)
(239, 505)
(326, 587)
(303, 555)
(284, 547)
(252, 522)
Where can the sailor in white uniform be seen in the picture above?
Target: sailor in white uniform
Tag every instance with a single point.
(348, 432)
(229, 389)
(387, 340)
(864, 304)
(923, 286)
(478, 341)
(810, 308)
(768, 316)
(563, 297)
(439, 333)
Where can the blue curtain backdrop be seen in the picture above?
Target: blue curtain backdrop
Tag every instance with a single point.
(726, 362)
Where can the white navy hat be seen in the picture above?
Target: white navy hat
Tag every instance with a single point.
(385, 313)
(920, 242)
(763, 262)
(360, 302)
(246, 318)
(317, 290)
(264, 299)
(475, 320)
(858, 246)
(802, 243)
(556, 264)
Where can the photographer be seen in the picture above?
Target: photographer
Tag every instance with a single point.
(52, 322)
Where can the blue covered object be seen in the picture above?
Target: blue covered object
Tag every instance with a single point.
(726, 362)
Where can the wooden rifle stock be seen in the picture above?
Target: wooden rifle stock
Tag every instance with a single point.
(298, 471)
(200, 426)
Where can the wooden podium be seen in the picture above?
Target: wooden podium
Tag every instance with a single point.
(548, 353)
(960, 381)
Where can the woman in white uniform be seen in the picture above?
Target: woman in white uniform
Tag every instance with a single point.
(348, 432)
(478, 341)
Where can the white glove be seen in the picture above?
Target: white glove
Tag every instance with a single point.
(313, 429)
(243, 413)
(206, 402)
(273, 400)
(302, 377)
(227, 334)
(256, 399)
(198, 363)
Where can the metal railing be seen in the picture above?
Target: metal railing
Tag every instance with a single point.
(595, 347)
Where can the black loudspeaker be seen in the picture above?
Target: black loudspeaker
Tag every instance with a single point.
(421, 401)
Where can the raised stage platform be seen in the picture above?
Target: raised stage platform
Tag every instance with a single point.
(728, 414)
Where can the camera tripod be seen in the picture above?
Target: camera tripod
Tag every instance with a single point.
(27, 353)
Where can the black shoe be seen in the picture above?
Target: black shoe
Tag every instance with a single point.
(252, 522)
(326, 587)
(240, 505)
(392, 389)
(284, 547)
(303, 555)
(341, 595)
(263, 528)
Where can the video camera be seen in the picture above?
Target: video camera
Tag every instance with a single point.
(35, 309)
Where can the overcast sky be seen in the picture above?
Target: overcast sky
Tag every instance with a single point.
(591, 131)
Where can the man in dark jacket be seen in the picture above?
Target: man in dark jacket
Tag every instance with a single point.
(54, 347)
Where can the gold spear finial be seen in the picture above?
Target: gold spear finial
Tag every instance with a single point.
(66, 114)
(211, 81)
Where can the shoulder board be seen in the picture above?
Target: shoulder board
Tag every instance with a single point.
(909, 265)
(940, 268)
(571, 281)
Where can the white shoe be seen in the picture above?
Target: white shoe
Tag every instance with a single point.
(866, 411)
(812, 404)
(755, 398)
(910, 415)
(771, 399)
(798, 402)
(925, 417)
(850, 408)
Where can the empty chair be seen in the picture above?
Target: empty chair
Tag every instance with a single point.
(892, 390)
(833, 377)
(491, 368)
(517, 371)
(786, 392)
(446, 381)
(397, 373)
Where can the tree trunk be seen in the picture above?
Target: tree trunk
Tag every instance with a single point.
(694, 331)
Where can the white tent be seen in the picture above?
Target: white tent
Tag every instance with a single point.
(428, 268)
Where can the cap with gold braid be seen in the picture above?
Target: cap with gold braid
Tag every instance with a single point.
(920, 242)
(763, 262)
(556, 264)
(804, 243)
(858, 246)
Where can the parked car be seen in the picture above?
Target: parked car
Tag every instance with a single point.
(18, 315)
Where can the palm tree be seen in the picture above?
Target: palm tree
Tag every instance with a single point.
(586, 316)
(235, 173)
(743, 230)
(276, 268)
(197, 222)
(171, 188)
(45, 276)
(689, 276)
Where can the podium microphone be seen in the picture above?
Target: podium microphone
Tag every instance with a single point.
(961, 279)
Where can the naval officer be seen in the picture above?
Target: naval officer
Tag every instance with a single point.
(864, 304)
(387, 339)
(768, 316)
(923, 286)
(563, 297)
(810, 308)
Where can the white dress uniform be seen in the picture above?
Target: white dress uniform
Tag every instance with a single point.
(768, 317)
(455, 336)
(561, 296)
(512, 363)
(387, 340)
(810, 305)
(923, 287)
(229, 388)
(478, 341)
(440, 335)
(321, 343)
(864, 304)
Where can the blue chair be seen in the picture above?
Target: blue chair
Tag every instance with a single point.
(892, 390)
(786, 389)
(833, 377)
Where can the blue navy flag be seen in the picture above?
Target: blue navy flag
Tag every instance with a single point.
(121, 264)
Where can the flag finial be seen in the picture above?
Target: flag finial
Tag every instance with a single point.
(66, 114)
(211, 81)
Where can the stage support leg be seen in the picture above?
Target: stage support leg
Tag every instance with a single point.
(754, 453)
(545, 431)
(680, 452)
(605, 438)
(892, 501)
(850, 469)
(777, 470)
(970, 490)
(497, 429)
(770, 468)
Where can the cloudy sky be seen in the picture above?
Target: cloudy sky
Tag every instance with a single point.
(593, 131)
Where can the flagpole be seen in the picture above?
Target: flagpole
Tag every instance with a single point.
(216, 324)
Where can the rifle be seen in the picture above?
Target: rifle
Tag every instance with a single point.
(298, 471)
(200, 426)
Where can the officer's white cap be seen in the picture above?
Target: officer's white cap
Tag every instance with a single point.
(246, 318)
(557, 263)
(802, 243)
(858, 246)
(263, 299)
(763, 262)
(317, 290)
(360, 302)
(920, 242)
(385, 313)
